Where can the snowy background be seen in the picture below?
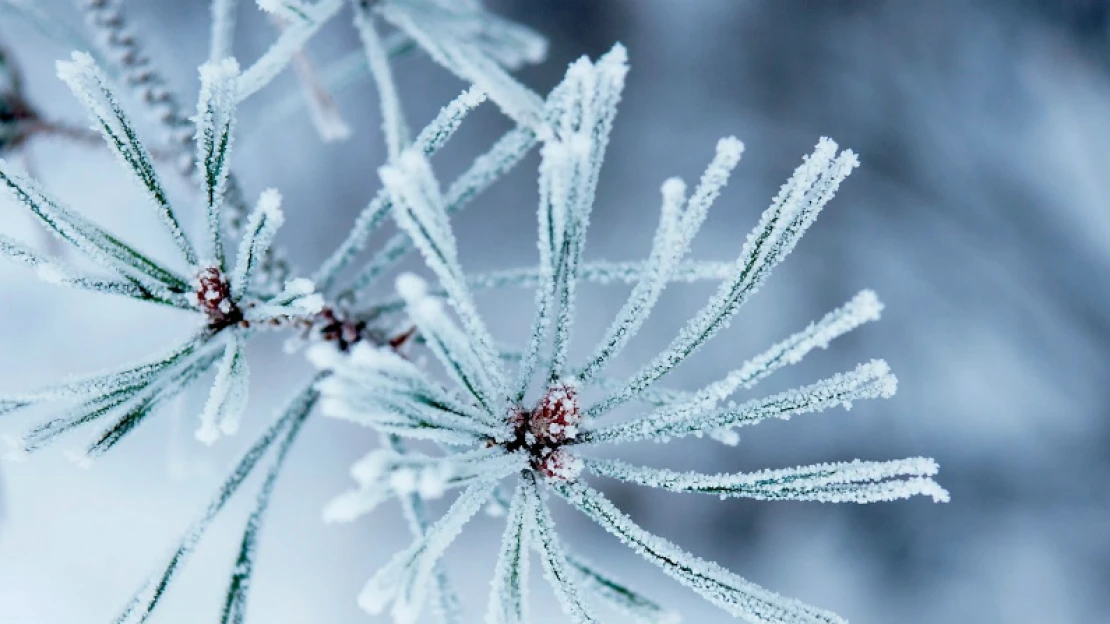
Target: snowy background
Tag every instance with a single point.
(980, 215)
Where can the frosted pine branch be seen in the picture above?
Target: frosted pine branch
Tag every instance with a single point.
(508, 599)
(430, 140)
(91, 86)
(55, 271)
(731, 593)
(505, 154)
(677, 228)
(598, 272)
(225, 301)
(285, 429)
(380, 388)
(446, 607)
(553, 558)
(95, 243)
(618, 596)
(215, 131)
(698, 416)
(791, 212)
(855, 481)
(420, 211)
(490, 418)
(228, 397)
(405, 580)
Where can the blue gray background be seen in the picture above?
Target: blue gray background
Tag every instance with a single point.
(981, 216)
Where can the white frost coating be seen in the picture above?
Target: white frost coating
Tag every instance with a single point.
(452, 347)
(92, 88)
(403, 481)
(215, 132)
(733, 594)
(280, 8)
(484, 171)
(227, 400)
(102, 385)
(448, 120)
(863, 308)
(368, 470)
(552, 219)
(434, 136)
(433, 483)
(596, 90)
(554, 560)
(285, 427)
(54, 271)
(666, 251)
(20, 252)
(379, 388)
(619, 597)
(508, 598)
(262, 225)
(580, 110)
(791, 213)
(598, 272)
(296, 299)
(419, 211)
(373, 384)
(310, 304)
(713, 180)
(867, 381)
(304, 21)
(384, 473)
(405, 580)
(845, 482)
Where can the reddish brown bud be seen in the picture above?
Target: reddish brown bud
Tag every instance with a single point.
(560, 464)
(555, 418)
(213, 297)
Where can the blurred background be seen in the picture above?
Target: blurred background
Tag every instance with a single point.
(980, 215)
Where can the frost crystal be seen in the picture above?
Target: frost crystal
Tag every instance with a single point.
(542, 440)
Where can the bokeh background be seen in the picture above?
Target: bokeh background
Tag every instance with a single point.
(981, 216)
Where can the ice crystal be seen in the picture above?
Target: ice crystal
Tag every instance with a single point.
(543, 441)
